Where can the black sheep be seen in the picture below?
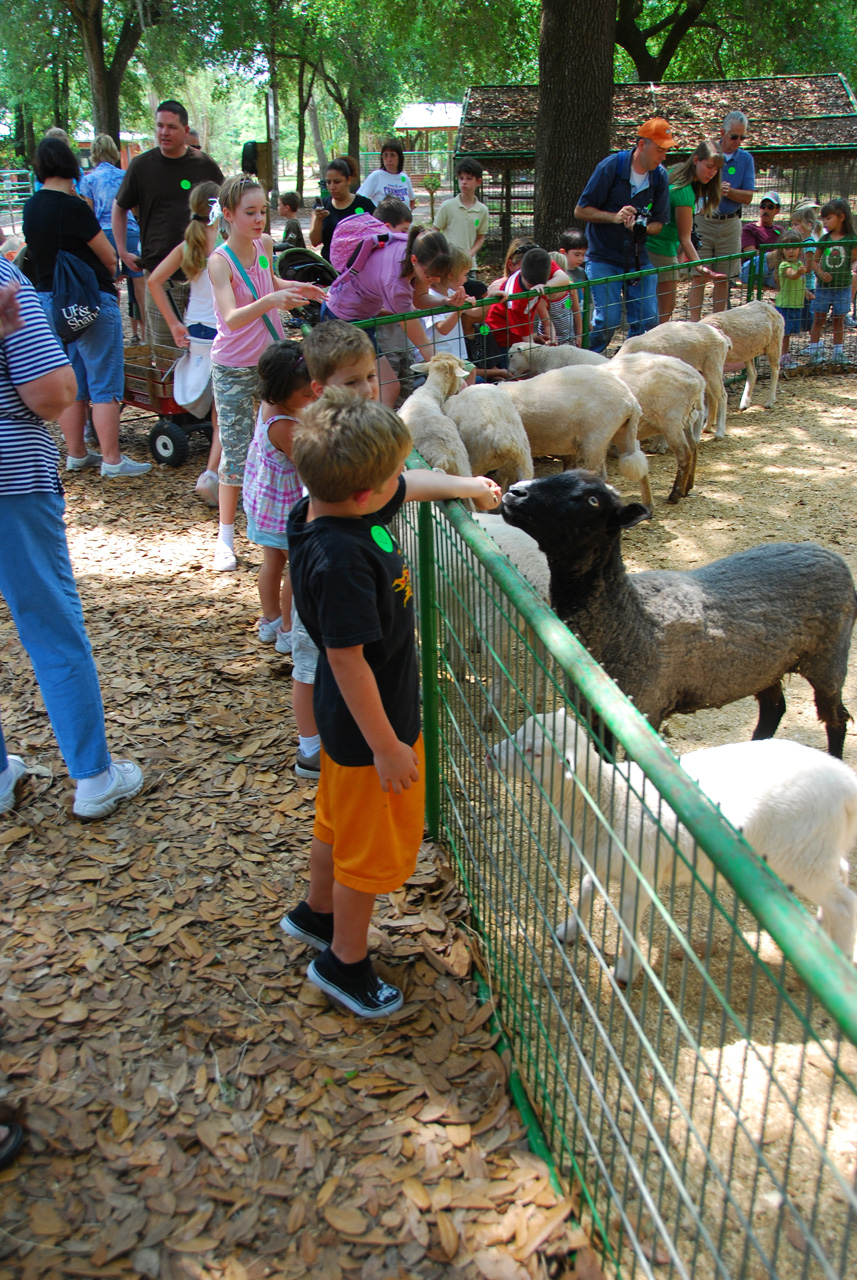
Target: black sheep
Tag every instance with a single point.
(681, 641)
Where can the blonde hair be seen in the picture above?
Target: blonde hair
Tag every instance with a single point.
(332, 344)
(559, 259)
(684, 173)
(235, 188)
(194, 258)
(104, 148)
(789, 239)
(345, 444)
(459, 260)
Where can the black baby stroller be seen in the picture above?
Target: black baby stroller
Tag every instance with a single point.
(307, 267)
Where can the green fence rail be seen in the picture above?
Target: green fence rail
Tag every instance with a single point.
(707, 1112)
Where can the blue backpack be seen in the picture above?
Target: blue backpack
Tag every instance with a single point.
(75, 296)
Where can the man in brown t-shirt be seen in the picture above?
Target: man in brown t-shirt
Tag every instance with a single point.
(157, 184)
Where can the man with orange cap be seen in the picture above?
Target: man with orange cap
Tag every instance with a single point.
(626, 196)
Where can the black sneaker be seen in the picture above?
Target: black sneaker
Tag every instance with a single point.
(308, 766)
(356, 986)
(315, 928)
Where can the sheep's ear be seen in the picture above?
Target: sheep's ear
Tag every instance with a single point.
(420, 368)
(633, 513)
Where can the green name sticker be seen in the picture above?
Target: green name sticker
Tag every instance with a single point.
(184, 184)
(484, 328)
(381, 537)
(731, 170)
(567, 304)
(359, 210)
(263, 261)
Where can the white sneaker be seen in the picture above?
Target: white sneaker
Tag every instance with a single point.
(224, 560)
(283, 641)
(17, 769)
(207, 487)
(268, 630)
(124, 467)
(81, 464)
(126, 779)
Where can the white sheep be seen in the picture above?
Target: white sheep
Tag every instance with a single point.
(671, 396)
(754, 329)
(435, 436)
(795, 806)
(493, 434)
(531, 563)
(693, 344)
(533, 357)
(576, 414)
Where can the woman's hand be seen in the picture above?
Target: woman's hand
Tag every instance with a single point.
(10, 312)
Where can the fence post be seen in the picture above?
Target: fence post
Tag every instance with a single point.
(428, 648)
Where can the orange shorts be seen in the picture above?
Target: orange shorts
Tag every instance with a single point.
(375, 834)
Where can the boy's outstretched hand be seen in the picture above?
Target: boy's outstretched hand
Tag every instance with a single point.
(488, 495)
(397, 768)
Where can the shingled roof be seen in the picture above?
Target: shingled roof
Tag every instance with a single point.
(788, 114)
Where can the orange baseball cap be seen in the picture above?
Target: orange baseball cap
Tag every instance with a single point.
(658, 131)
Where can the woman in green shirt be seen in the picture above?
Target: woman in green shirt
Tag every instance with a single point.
(694, 185)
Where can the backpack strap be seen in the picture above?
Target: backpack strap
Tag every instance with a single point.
(253, 290)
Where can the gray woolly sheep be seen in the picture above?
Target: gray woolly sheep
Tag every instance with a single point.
(671, 396)
(693, 344)
(534, 357)
(493, 434)
(755, 329)
(795, 806)
(681, 641)
(435, 436)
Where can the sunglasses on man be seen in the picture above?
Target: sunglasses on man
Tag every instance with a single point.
(737, 137)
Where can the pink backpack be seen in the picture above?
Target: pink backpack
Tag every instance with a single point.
(350, 235)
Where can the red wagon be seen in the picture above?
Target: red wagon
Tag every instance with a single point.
(149, 385)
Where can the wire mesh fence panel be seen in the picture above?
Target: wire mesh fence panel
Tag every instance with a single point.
(687, 1039)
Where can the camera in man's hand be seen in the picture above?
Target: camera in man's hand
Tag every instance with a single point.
(639, 228)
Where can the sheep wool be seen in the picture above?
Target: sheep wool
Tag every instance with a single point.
(693, 344)
(755, 329)
(681, 641)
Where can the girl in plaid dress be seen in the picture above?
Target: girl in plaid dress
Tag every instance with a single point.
(271, 484)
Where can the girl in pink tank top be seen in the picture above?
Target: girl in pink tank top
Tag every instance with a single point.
(247, 298)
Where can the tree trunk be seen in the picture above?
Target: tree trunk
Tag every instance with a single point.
(320, 154)
(105, 81)
(351, 111)
(651, 66)
(274, 86)
(575, 107)
(304, 97)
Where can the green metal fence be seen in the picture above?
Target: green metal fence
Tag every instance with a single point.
(707, 1112)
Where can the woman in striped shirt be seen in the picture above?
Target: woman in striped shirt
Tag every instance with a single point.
(36, 578)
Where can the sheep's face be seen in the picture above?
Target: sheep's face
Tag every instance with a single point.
(566, 513)
(521, 756)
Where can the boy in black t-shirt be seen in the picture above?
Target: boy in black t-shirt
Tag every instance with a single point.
(352, 590)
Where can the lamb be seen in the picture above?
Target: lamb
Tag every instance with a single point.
(693, 344)
(493, 434)
(681, 641)
(754, 329)
(671, 396)
(435, 436)
(571, 411)
(795, 806)
(524, 554)
(532, 357)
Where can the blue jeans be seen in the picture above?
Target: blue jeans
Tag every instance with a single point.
(37, 583)
(641, 304)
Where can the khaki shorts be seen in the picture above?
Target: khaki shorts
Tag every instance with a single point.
(661, 260)
(375, 834)
(717, 238)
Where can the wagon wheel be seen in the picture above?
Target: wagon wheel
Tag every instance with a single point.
(168, 443)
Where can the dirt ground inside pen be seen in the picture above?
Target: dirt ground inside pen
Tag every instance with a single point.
(195, 1108)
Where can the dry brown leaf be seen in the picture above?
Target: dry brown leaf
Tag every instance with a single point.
(417, 1194)
(349, 1222)
(542, 1226)
(449, 1240)
(497, 1264)
(73, 1011)
(587, 1266)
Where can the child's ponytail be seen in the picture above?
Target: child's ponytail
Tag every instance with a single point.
(282, 371)
(194, 257)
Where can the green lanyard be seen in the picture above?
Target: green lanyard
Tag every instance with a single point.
(250, 285)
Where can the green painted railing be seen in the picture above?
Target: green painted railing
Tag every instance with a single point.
(707, 1111)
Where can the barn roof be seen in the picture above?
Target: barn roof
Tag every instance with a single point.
(788, 114)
